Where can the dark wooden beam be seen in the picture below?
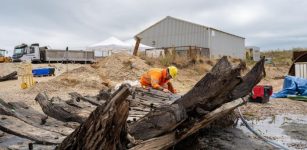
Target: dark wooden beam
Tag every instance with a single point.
(30, 116)
(57, 111)
(10, 76)
(136, 47)
(17, 127)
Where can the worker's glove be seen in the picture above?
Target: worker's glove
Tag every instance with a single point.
(166, 90)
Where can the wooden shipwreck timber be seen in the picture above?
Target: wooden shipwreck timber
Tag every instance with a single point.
(131, 117)
(10, 76)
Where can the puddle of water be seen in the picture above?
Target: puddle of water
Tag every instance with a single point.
(271, 128)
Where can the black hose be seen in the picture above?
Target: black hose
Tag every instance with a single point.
(277, 145)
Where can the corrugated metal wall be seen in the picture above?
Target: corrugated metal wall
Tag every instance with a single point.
(226, 44)
(173, 33)
(301, 69)
(60, 55)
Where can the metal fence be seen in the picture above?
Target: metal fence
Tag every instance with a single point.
(183, 51)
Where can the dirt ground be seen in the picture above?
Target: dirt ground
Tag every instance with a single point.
(88, 79)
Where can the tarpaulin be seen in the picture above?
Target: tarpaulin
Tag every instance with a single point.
(292, 86)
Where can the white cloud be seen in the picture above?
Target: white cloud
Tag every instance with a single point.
(78, 23)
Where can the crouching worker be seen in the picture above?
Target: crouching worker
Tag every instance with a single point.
(159, 79)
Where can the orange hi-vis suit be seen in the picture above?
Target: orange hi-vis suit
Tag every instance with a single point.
(156, 78)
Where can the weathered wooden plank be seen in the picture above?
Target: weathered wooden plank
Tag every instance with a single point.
(81, 104)
(27, 146)
(144, 109)
(220, 80)
(39, 120)
(13, 142)
(5, 109)
(157, 122)
(131, 112)
(57, 101)
(91, 100)
(7, 140)
(10, 76)
(253, 77)
(57, 112)
(17, 127)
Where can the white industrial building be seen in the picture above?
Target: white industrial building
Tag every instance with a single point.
(182, 35)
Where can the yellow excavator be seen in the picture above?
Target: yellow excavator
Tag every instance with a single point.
(4, 59)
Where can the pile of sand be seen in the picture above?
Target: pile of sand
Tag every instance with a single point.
(84, 77)
(107, 72)
(120, 67)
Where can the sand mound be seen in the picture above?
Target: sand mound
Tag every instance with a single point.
(86, 77)
(107, 72)
(83, 77)
(120, 67)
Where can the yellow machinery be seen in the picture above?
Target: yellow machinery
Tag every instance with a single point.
(26, 75)
(3, 58)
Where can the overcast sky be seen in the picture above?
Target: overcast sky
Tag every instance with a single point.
(269, 24)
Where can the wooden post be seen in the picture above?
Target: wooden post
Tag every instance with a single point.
(189, 53)
(136, 47)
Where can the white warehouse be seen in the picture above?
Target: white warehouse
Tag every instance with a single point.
(171, 32)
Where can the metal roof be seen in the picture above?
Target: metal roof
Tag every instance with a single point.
(186, 22)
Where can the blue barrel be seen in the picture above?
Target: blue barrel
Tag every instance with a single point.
(43, 71)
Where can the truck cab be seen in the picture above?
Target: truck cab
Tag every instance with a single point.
(24, 52)
(3, 58)
(2, 53)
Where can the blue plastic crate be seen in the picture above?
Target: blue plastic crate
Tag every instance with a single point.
(43, 71)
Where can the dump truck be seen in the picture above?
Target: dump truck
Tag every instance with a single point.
(3, 58)
(35, 53)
